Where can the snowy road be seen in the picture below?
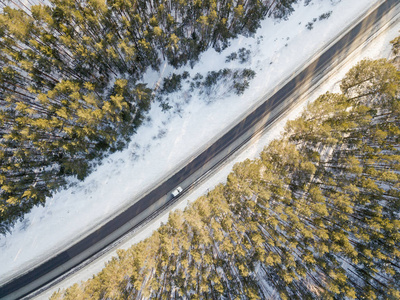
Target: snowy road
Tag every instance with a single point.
(223, 147)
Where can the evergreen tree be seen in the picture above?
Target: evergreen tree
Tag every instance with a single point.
(70, 77)
(315, 217)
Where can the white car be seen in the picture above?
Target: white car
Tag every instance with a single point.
(177, 191)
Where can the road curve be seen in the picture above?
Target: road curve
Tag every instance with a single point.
(213, 155)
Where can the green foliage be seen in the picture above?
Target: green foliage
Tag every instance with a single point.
(243, 54)
(325, 15)
(172, 84)
(396, 45)
(310, 25)
(371, 78)
(70, 81)
(236, 80)
(283, 8)
(315, 217)
(231, 57)
(241, 80)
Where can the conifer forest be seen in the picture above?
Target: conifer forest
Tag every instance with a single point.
(70, 80)
(316, 216)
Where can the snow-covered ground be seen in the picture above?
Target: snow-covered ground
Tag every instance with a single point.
(168, 139)
(377, 48)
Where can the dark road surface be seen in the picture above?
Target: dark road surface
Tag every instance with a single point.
(27, 283)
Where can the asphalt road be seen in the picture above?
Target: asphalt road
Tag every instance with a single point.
(220, 149)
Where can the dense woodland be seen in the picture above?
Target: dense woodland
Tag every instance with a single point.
(70, 79)
(316, 216)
